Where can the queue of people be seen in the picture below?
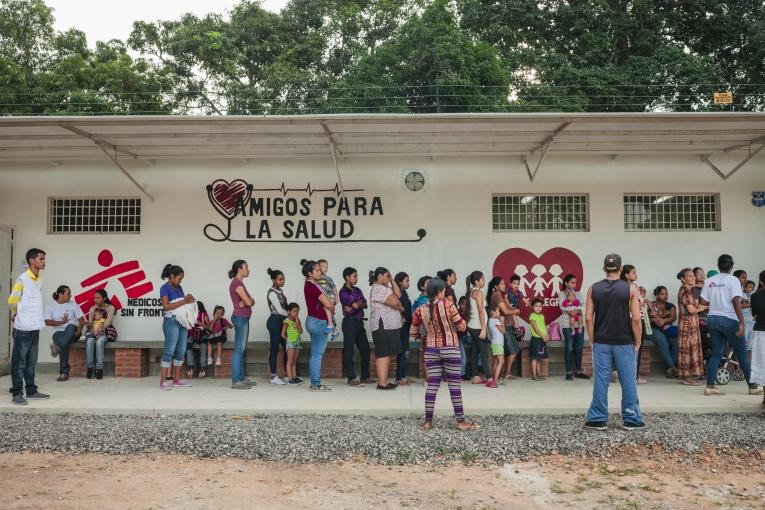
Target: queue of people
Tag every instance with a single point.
(476, 337)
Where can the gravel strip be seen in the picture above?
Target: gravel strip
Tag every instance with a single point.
(310, 439)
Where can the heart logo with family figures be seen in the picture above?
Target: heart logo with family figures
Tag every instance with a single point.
(541, 276)
(225, 195)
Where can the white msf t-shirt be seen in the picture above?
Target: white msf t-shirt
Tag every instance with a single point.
(719, 291)
(56, 311)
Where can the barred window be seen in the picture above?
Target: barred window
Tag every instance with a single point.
(676, 212)
(82, 215)
(524, 212)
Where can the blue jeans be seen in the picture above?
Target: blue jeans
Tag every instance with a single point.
(315, 328)
(574, 345)
(97, 344)
(401, 357)
(202, 355)
(274, 326)
(722, 330)
(667, 346)
(605, 357)
(241, 333)
(175, 343)
(63, 339)
(24, 361)
(464, 341)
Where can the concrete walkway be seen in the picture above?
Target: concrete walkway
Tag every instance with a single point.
(554, 396)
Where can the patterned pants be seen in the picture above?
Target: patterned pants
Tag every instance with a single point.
(443, 362)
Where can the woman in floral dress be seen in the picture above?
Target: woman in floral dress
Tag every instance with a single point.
(690, 365)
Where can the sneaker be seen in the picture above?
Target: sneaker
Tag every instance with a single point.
(250, 381)
(54, 350)
(240, 385)
(385, 388)
(320, 388)
(491, 384)
(712, 391)
(99, 373)
(19, 400)
(37, 396)
(365, 381)
(596, 425)
(295, 381)
(569, 377)
(298, 379)
(581, 375)
(180, 383)
(277, 380)
(89, 374)
(63, 377)
(164, 385)
(633, 426)
(355, 383)
(218, 362)
(757, 390)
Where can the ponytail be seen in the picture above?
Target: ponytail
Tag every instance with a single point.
(492, 286)
(471, 279)
(274, 273)
(60, 290)
(171, 270)
(373, 275)
(235, 267)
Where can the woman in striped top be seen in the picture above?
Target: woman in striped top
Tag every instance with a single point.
(439, 318)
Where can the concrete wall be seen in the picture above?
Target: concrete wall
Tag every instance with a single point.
(454, 208)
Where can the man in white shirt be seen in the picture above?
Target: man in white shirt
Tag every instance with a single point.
(725, 321)
(26, 306)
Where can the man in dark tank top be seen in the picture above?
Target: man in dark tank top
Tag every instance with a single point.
(612, 317)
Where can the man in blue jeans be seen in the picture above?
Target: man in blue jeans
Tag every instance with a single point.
(612, 317)
(725, 321)
(26, 305)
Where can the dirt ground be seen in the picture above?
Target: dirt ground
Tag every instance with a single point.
(640, 478)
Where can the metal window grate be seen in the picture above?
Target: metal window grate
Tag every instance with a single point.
(677, 212)
(82, 215)
(524, 212)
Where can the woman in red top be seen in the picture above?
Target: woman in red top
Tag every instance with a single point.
(441, 350)
(317, 304)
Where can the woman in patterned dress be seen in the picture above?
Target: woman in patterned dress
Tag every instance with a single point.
(689, 359)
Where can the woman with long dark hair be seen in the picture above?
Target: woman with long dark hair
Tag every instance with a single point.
(573, 337)
(385, 322)
(66, 319)
(475, 316)
(172, 296)
(629, 274)
(440, 322)
(354, 334)
(94, 346)
(449, 277)
(277, 307)
(402, 280)
(242, 303)
(663, 315)
(318, 307)
(497, 295)
(690, 365)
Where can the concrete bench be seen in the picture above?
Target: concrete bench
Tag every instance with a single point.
(142, 359)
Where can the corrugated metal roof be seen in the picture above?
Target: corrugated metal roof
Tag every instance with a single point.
(377, 135)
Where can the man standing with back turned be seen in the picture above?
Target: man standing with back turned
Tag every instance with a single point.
(612, 317)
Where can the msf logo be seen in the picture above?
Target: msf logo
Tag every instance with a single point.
(122, 281)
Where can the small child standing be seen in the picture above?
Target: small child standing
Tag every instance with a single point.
(573, 307)
(218, 335)
(327, 285)
(539, 339)
(497, 336)
(291, 331)
(748, 318)
(198, 335)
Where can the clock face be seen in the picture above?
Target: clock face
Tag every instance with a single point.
(414, 181)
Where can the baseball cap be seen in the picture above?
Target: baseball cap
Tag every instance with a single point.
(612, 262)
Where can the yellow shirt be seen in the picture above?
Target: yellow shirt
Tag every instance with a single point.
(538, 322)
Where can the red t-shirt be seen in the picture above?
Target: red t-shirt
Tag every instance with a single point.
(312, 304)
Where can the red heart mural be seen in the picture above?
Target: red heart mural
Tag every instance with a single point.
(540, 276)
(224, 195)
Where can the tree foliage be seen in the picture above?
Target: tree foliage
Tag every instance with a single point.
(328, 56)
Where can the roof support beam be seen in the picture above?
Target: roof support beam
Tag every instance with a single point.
(736, 168)
(543, 146)
(333, 150)
(105, 148)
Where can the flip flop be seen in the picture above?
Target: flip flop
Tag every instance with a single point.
(469, 426)
(427, 425)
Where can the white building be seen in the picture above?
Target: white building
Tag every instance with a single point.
(652, 187)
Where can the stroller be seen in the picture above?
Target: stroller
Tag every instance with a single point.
(729, 369)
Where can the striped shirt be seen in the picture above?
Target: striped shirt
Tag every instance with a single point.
(440, 329)
(26, 303)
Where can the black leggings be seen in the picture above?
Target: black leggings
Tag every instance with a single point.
(479, 347)
(274, 325)
(355, 334)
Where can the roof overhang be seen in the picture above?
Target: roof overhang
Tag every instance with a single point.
(532, 135)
